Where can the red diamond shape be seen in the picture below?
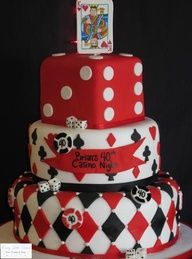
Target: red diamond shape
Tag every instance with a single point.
(112, 198)
(136, 171)
(41, 224)
(111, 139)
(88, 228)
(138, 225)
(171, 215)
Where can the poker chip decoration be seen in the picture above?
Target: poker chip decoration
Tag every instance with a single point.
(72, 218)
(63, 143)
(141, 194)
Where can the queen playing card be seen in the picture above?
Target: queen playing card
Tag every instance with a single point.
(94, 26)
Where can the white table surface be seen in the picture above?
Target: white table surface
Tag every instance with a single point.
(182, 246)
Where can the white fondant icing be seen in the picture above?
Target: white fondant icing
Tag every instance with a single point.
(58, 54)
(85, 73)
(52, 240)
(138, 108)
(165, 234)
(138, 69)
(66, 92)
(94, 139)
(48, 110)
(120, 242)
(138, 88)
(148, 238)
(108, 94)
(96, 57)
(108, 73)
(21, 230)
(126, 209)
(100, 243)
(78, 245)
(126, 54)
(109, 114)
(55, 206)
(33, 236)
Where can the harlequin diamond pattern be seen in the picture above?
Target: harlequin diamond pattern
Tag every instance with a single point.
(158, 221)
(111, 139)
(26, 219)
(61, 230)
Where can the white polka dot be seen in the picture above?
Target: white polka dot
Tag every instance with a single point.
(108, 73)
(66, 92)
(138, 88)
(96, 57)
(85, 73)
(48, 110)
(108, 94)
(58, 54)
(125, 54)
(138, 108)
(109, 114)
(138, 68)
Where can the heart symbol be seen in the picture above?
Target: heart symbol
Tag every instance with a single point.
(85, 7)
(104, 44)
(152, 131)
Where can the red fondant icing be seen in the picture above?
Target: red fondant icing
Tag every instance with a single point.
(41, 224)
(65, 197)
(86, 100)
(72, 161)
(138, 225)
(112, 198)
(153, 131)
(155, 194)
(170, 215)
(34, 168)
(136, 171)
(28, 191)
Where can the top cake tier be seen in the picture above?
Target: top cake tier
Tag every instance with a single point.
(97, 91)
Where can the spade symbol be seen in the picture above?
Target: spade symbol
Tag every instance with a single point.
(34, 136)
(154, 167)
(42, 153)
(78, 142)
(135, 136)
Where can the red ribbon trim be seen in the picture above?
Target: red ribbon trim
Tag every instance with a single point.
(99, 161)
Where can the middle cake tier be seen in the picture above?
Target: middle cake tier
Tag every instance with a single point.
(116, 155)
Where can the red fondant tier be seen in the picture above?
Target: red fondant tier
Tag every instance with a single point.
(102, 92)
(67, 223)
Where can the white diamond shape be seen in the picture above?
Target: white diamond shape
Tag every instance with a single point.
(21, 230)
(76, 204)
(125, 241)
(52, 208)
(20, 200)
(32, 205)
(148, 238)
(33, 236)
(125, 210)
(166, 202)
(75, 242)
(149, 209)
(175, 226)
(52, 240)
(99, 211)
(165, 234)
(99, 243)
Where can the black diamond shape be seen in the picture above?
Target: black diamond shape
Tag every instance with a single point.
(61, 230)
(87, 250)
(20, 185)
(113, 227)
(41, 244)
(26, 219)
(167, 188)
(158, 221)
(171, 236)
(88, 198)
(42, 197)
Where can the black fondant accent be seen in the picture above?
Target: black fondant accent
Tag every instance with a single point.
(154, 167)
(111, 177)
(42, 153)
(102, 187)
(113, 227)
(62, 231)
(167, 188)
(171, 236)
(136, 246)
(20, 185)
(53, 172)
(34, 136)
(62, 143)
(78, 142)
(87, 250)
(135, 136)
(146, 153)
(158, 221)
(41, 244)
(42, 197)
(17, 232)
(26, 219)
(88, 198)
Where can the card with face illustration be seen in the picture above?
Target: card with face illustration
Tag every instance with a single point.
(94, 26)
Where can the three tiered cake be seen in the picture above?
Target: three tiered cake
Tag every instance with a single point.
(95, 185)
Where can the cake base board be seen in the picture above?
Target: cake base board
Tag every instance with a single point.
(181, 249)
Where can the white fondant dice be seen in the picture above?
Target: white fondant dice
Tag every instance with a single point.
(55, 184)
(44, 186)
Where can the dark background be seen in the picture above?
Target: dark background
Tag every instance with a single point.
(159, 32)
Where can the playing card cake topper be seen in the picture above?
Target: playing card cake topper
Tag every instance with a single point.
(94, 26)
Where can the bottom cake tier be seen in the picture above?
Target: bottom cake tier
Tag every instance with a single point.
(93, 223)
